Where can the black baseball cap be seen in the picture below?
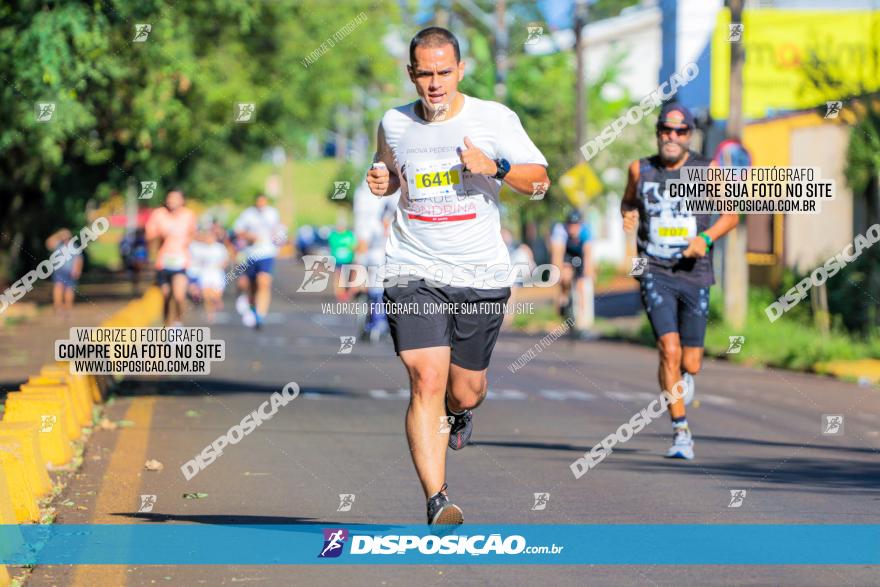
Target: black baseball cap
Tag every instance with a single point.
(674, 115)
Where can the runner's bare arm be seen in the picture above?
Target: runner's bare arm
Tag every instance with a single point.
(725, 222)
(628, 205)
(383, 181)
(557, 252)
(587, 257)
(525, 177)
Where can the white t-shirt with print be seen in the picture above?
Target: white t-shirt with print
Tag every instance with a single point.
(266, 224)
(447, 227)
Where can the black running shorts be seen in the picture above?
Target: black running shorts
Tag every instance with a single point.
(463, 318)
(676, 305)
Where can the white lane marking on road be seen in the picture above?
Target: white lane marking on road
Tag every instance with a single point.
(401, 393)
(548, 394)
(506, 394)
(314, 395)
(708, 398)
(631, 396)
(566, 394)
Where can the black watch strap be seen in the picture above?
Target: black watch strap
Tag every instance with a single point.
(503, 166)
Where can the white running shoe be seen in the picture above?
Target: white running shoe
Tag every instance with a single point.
(249, 319)
(682, 445)
(242, 306)
(691, 389)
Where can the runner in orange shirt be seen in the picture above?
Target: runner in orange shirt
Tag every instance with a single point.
(172, 227)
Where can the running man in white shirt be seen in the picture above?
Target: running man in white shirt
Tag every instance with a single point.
(446, 262)
(260, 226)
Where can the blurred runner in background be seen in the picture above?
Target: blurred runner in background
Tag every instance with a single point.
(260, 226)
(135, 256)
(342, 244)
(211, 258)
(172, 228)
(65, 277)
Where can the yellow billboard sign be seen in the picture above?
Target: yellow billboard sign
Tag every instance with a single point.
(784, 49)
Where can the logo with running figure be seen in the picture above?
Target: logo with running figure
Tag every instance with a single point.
(737, 497)
(47, 422)
(319, 269)
(541, 501)
(346, 500)
(147, 503)
(148, 189)
(244, 112)
(45, 111)
(735, 344)
(832, 108)
(346, 345)
(539, 189)
(446, 423)
(535, 33)
(735, 33)
(340, 190)
(639, 264)
(141, 33)
(832, 424)
(334, 540)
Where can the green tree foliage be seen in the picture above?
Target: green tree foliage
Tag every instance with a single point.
(163, 109)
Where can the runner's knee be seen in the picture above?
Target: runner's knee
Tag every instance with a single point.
(692, 363)
(427, 380)
(470, 392)
(670, 351)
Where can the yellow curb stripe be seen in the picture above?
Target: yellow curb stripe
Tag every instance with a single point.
(120, 488)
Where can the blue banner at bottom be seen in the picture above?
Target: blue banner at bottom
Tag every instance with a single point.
(589, 544)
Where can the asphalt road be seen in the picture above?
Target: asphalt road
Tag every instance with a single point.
(755, 430)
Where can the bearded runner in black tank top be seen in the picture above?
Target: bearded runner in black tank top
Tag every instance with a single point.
(665, 228)
(675, 284)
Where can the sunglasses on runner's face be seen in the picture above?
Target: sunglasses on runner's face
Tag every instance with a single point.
(667, 131)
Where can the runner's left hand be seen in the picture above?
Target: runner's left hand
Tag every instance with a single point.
(475, 161)
(696, 248)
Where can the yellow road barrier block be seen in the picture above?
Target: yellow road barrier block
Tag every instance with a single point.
(23, 496)
(90, 380)
(27, 434)
(82, 405)
(63, 393)
(49, 416)
(79, 382)
(7, 517)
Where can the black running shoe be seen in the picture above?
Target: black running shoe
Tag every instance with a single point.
(441, 512)
(461, 429)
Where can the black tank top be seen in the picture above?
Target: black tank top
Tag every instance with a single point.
(660, 216)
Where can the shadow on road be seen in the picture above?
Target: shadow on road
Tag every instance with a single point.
(206, 386)
(832, 475)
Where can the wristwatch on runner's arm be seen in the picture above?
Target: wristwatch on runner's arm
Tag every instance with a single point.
(503, 166)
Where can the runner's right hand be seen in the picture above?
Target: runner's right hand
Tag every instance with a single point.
(630, 220)
(378, 178)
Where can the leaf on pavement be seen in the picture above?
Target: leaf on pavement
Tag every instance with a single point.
(194, 495)
(153, 465)
(193, 414)
(107, 424)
